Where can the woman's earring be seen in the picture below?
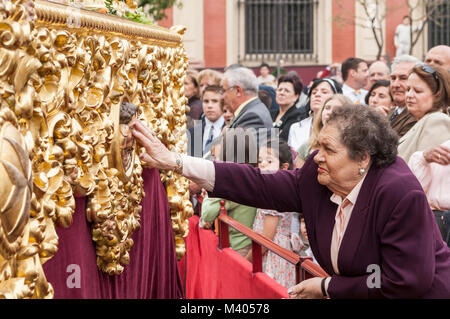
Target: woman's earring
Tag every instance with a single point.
(362, 171)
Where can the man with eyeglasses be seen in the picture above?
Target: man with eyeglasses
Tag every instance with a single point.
(401, 120)
(240, 94)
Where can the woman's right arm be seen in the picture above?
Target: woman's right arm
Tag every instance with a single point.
(239, 183)
(158, 156)
(250, 186)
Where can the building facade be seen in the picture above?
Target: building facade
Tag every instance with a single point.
(306, 34)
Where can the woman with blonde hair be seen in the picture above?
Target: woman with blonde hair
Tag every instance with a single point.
(320, 90)
(319, 122)
(208, 77)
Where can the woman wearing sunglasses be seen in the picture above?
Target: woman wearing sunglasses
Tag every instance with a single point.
(427, 99)
(426, 147)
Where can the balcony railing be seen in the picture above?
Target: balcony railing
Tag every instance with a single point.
(305, 267)
(439, 26)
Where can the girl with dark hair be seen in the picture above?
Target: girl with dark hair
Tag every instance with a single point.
(273, 156)
(238, 147)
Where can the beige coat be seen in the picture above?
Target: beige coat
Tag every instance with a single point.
(431, 130)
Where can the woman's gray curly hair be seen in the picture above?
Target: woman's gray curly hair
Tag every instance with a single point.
(364, 130)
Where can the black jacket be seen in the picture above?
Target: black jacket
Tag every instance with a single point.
(284, 125)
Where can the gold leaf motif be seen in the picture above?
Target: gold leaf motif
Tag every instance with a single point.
(21, 232)
(58, 90)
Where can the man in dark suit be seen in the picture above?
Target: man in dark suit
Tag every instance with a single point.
(240, 93)
(401, 120)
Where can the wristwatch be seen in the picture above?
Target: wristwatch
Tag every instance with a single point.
(322, 285)
(179, 164)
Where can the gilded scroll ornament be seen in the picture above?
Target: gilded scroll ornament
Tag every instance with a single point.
(62, 83)
(25, 234)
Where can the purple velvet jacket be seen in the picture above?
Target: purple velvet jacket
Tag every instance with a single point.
(391, 226)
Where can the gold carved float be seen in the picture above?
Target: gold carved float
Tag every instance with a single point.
(65, 75)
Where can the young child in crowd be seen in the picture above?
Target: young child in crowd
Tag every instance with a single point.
(201, 136)
(305, 249)
(241, 213)
(227, 115)
(276, 226)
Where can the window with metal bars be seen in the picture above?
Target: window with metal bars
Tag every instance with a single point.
(279, 26)
(439, 26)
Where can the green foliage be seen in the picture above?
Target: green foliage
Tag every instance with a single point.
(139, 16)
(109, 6)
(157, 7)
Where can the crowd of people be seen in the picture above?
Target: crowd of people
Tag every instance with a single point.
(351, 169)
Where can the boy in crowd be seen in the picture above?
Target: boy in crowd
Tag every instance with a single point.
(210, 127)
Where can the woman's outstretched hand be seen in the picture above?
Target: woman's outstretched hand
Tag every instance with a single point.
(156, 155)
(307, 289)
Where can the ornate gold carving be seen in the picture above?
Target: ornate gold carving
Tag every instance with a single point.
(61, 86)
(26, 235)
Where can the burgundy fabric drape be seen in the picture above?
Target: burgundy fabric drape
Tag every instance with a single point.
(152, 272)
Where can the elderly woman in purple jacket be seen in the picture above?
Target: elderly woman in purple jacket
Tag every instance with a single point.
(368, 221)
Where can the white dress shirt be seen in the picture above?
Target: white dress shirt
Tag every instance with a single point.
(217, 125)
(299, 133)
